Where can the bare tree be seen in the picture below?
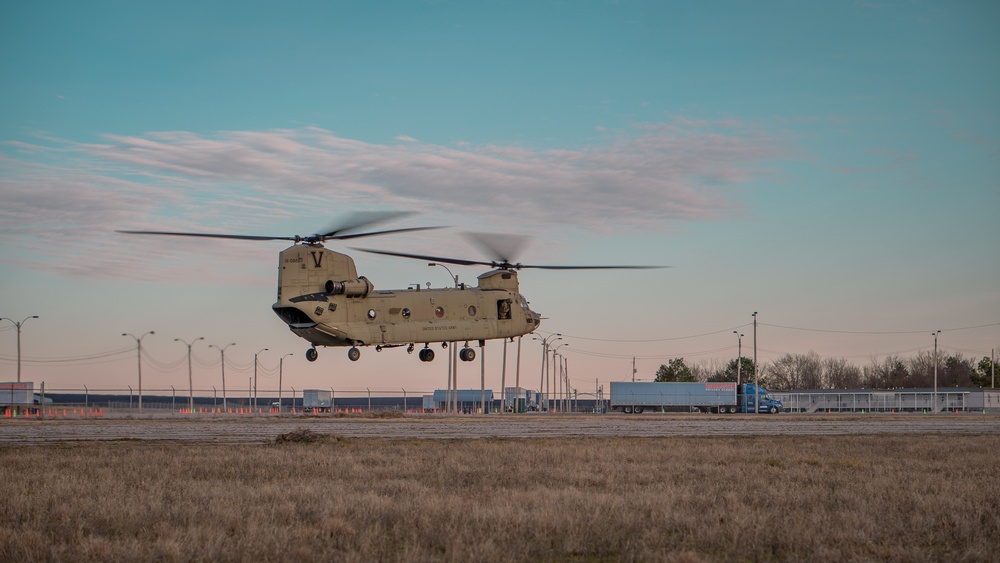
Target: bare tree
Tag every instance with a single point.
(838, 374)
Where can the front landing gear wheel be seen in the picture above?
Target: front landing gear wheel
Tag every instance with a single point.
(426, 355)
(353, 354)
(312, 354)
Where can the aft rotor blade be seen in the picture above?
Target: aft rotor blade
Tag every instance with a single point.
(457, 261)
(207, 235)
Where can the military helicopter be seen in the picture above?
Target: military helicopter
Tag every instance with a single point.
(323, 300)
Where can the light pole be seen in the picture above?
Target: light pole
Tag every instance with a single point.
(452, 359)
(756, 379)
(935, 335)
(280, 362)
(222, 351)
(255, 376)
(138, 354)
(18, 325)
(558, 370)
(190, 378)
(739, 357)
(545, 358)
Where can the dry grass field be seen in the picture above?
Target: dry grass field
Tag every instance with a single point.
(324, 498)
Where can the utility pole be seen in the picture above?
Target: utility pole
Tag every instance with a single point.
(18, 325)
(190, 378)
(138, 354)
(633, 369)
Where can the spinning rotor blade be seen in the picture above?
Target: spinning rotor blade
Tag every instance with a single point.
(207, 235)
(503, 265)
(501, 247)
(338, 231)
(426, 257)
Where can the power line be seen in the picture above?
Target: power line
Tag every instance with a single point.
(875, 331)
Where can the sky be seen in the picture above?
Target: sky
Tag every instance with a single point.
(832, 166)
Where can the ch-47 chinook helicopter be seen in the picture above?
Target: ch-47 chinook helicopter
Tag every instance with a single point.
(322, 298)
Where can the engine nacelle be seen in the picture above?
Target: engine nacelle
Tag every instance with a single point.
(359, 287)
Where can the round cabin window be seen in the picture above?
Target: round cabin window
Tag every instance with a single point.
(472, 310)
(371, 314)
(439, 312)
(405, 313)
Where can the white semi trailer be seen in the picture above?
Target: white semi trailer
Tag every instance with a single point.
(720, 397)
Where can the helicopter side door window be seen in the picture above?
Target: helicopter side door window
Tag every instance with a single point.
(503, 309)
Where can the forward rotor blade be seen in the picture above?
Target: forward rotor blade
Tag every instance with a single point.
(376, 233)
(537, 267)
(457, 261)
(206, 235)
(361, 219)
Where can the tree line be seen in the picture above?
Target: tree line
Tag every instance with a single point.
(810, 371)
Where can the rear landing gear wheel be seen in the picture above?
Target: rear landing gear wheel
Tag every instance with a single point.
(467, 354)
(353, 354)
(312, 354)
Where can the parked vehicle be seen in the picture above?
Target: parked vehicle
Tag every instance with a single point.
(718, 397)
(19, 397)
(320, 400)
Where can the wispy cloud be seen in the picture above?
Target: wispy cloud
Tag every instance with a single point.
(682, 170)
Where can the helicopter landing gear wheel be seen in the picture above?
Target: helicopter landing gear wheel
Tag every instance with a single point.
(426, 355)
(312, 354)
(467, 354)
(353, 354)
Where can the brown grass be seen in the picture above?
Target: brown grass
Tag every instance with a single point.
(902, 498)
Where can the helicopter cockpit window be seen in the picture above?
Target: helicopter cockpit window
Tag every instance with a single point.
(523, 302)
(371, 314)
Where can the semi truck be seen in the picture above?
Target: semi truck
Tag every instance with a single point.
(717, 397)
(320, 400)
(19, 397)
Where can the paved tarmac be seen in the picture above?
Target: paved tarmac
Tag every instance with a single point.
(262, 429)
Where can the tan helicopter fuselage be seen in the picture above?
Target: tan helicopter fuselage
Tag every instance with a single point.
(323, 300)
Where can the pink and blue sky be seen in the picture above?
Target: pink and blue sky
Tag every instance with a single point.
(834, 166)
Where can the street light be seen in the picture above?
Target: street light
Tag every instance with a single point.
(739, 357)
(453, 276)
(545, 362)
(255, 376)
(138, 353)
(18, 325)
(452, 353)
(756, 379)
(556, 375)
(223, 352)
(190, 379)
(935, 335)
(280, 363)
